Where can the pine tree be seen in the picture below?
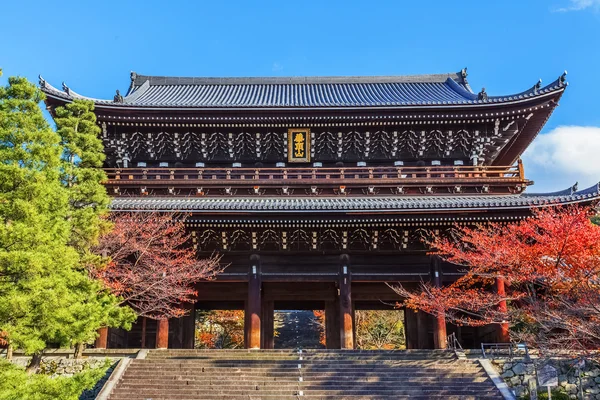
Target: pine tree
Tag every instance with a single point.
(82, 158)
(46, 296)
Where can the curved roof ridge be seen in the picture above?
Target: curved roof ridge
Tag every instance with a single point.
(571, 191)
(536, 89)
(138, 80)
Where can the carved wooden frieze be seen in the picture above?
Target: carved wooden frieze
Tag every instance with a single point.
(189, 145)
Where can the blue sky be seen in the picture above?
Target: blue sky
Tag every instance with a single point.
(507, 46)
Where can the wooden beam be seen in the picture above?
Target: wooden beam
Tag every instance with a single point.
(423, 338)
(332, 324)
(439, 328)
(162, 333)
(102, 340)
(503, 333)
(253, 305)
(268, 325)
(189, 327)
(411, 331)
(346, 313)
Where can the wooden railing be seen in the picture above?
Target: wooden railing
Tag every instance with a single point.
(317, 175)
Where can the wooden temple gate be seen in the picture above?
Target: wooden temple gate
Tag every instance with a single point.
(317, 191)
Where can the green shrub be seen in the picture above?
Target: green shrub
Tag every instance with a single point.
(16, 384)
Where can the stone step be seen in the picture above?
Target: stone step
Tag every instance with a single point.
(153, 393)
(348, 379)
(319, 397)
(274, 375)
(333, 386)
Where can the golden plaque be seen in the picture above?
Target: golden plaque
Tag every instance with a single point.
(298, 145)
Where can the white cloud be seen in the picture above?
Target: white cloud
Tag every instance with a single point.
(578, 5)
(565, 155)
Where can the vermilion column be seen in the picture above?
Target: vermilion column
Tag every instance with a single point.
(346, 312)
(162, 333)
(503, 334)
(253, 305)
(102, 340)
(439, 328)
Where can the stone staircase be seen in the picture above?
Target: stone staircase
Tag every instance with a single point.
(307, 374)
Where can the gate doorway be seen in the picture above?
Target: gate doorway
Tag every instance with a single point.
(298, 329)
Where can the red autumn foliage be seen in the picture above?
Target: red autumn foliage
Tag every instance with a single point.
(320, 317)
(221, 329)
(551, 266)
(152, 265)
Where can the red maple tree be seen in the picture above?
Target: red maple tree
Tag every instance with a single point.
(550, 264)
(152, 264)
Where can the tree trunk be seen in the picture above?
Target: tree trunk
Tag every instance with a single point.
(9, 352)
(34, 363)
(78, 350)
(143, 332)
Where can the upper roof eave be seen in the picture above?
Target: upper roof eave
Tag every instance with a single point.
(457, 84)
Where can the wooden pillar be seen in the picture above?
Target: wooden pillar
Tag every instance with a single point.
(503, 333)
(268, 325)
(332, 324)
(162, 333)
(439, 327)
(411, 331)
(346, 312)
(423, 338)
(189, 327)
(102, 340)
(253, 305)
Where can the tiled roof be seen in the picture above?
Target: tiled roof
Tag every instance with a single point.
(351, 204)
(302, 92)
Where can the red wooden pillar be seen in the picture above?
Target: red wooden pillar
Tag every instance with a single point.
(332, 325)
(162, 333)
(253, 305)
(102, 340)
(268, 325)
(439, 328)
(503, 334)
(346, 312)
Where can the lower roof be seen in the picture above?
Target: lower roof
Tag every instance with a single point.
(348, 205)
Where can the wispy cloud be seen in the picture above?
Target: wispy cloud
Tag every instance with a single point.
(277, 67)
(578, 5)
(565, 155)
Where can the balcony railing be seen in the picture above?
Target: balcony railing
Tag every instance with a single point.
(333, 176)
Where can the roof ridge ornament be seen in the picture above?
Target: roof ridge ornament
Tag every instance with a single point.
(537, 86)
(133, 77)
(118, 98)
(574, 187)
(41, 81)
(482, 95)
(464, 74)
(562, 80)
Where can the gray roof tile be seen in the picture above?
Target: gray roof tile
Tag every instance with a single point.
(302, 92)
(349, 204)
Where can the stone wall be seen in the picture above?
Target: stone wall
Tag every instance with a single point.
(516, 374)
(60, 362)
